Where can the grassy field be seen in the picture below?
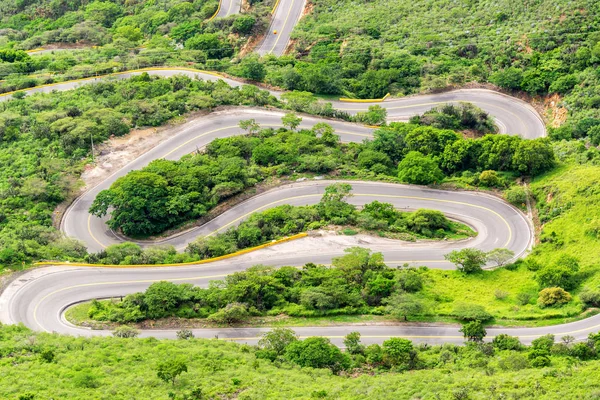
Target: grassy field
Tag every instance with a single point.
(110, 368)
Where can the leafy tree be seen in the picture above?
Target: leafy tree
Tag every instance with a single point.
(291, 121)
(516, 195)
(169, 370)
(473, 331)
(352, 343)
(161, 298)
(404, 305)
(317, 352)
(533, 157)
(419, 169)
(489, 178)
(398, 352)
(244, 24)
(467, 260)
(333, 206)
(211, 44)
(500, 256)
(562, 274)
(277, 340)
(253, 69)
(103, 12)
(376, 115)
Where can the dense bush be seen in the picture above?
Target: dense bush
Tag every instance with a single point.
(46, 138)
(464, 117)
(167, 193)
(553, 296)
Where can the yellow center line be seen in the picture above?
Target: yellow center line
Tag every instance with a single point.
(283, 27)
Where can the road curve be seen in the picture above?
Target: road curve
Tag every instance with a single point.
(513, 116)
(228, 7)
(286, 16)
(39, 298)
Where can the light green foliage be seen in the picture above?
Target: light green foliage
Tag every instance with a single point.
(230, 314)
(352, 343)
(500, 256)
(317, 352)
(553, 296)
(470, 312)
(516, 195)
(467, 260)
(398, 352)
(277, 340)
(420, 169)
(376, 115)
(169, 370)
(112, 367)
(473, 331)
(506, 342)
(404, 305)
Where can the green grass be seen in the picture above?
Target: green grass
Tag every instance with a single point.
(115, 369)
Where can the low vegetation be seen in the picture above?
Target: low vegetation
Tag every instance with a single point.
(178, 191)
(281, 221)
(202, 369)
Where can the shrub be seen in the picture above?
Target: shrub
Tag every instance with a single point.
(500, 294)
(489, 178)
(506, 342)
(419, 169)
(524, 298)
(397, 352)
(513, 362)
(230, 314)
(185, 334)
(317, 352)
(516, 195)
(277, 340)
(590, 297)
(125, 331)
(583, 351)
(554, 296)
(557, 275)
(471, 312)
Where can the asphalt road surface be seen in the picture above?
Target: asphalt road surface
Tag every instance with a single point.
(39, 297)
(286, 16)
(229, 7)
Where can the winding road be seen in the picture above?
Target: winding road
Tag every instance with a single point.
(39, 297)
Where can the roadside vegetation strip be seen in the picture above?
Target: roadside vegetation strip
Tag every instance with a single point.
(349, 100)
(115, 74)
(205, 261)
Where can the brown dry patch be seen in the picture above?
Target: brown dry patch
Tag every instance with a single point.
(251, 44)
(308, 9)
(246, 6)
(558, 114)
(562, 18)
(290, 46)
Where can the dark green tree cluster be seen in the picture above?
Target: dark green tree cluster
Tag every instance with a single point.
(462, 117)
(358, 282)
(168, 193)
(44, 141)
